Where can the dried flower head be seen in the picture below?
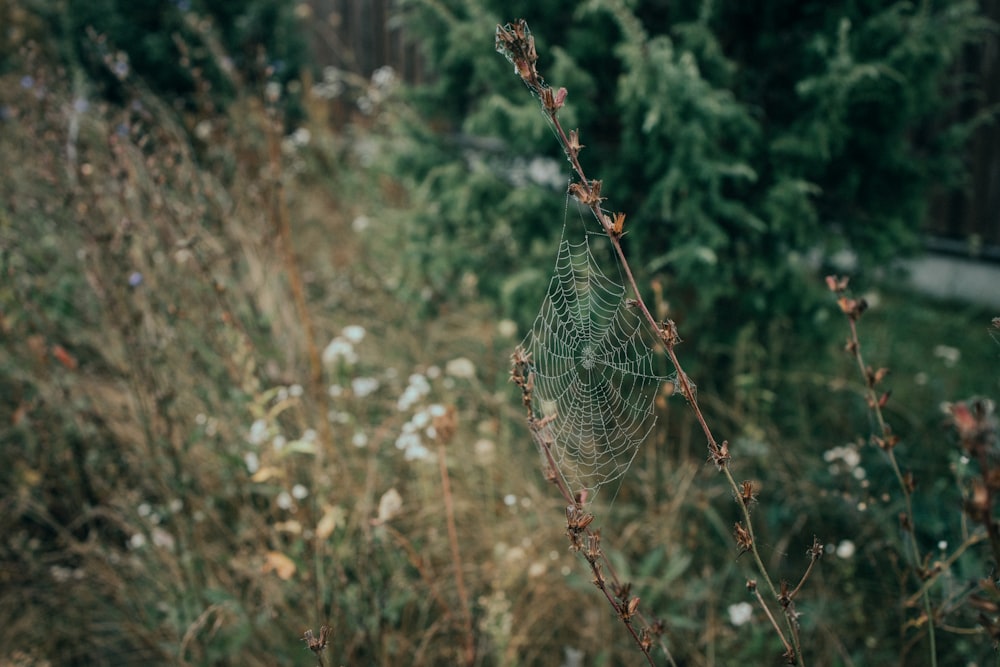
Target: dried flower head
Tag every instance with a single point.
(743, 539)
(617, 224)
(588, 194)
(748, 492)
(853, 308)
(317, 644)
(837, 284)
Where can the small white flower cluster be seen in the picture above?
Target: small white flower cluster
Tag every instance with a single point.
(62, 574)
(252, 462)
(420, 425)
(361, 223)
(948, 354)
(342, 346)
(294, 143)
(740, 613)
(417, 388)
(845, 549)
(384, 77)
(272, 91)
(209, 424)
(301, 137)
(332, 85)
(364, 386)
(259, 432)
(383, 81)
(160, 536)
(461, 368)
(370, 93)
(286, 500)
(845, 460)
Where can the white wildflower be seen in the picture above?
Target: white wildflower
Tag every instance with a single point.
(163, 539)
(421, 419)
(845, 549)
(740, 613)
(389, 505)
(284, 500)
(485, 451)
(301, 136)
(949, 355)
(364, 386)
(417, 453)
(407, 441)
(383, 77)
(354, 333)
(272, 91)
(339, 348)
(420, 383)
(507, 328)
(258, 432)
(203, 130)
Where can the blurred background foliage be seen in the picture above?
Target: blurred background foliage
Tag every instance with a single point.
(237, 284)
(784, 133)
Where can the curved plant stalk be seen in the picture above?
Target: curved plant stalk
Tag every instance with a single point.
(514, 41)
(886, 441)
(280, 218)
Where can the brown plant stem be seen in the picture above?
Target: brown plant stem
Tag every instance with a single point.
(815, 552)
(515, 42)
(280, 218)
(887, 441)
(456, 557)
(752, 585)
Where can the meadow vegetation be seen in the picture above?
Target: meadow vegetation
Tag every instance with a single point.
(255, 376)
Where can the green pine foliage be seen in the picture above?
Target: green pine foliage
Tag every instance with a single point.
(746, 141)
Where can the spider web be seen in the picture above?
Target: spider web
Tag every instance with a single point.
(592, 370)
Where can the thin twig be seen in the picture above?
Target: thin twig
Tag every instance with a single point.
(456, 556)
(886, 441)
(281, 220)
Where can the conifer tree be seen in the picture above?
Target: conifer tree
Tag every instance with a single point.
(741, 137)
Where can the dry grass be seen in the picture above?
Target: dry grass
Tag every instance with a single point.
(186, 486)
